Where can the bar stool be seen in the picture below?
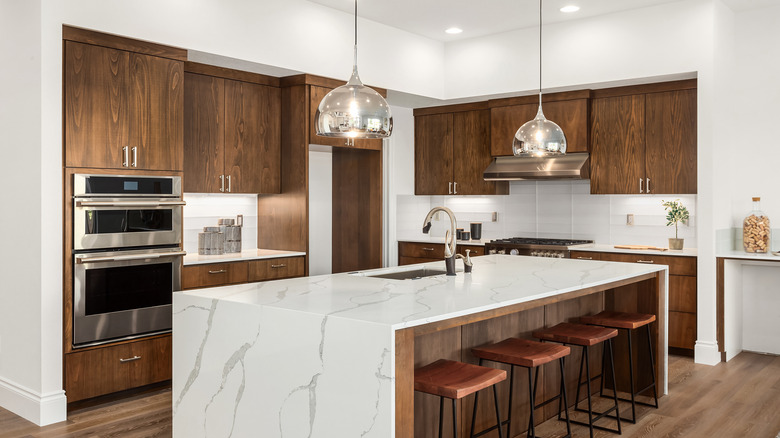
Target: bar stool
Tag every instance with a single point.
(586, 336)
(527, 354)
(628, 322)
(455, 380)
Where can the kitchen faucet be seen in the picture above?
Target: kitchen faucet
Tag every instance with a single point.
(449, 237)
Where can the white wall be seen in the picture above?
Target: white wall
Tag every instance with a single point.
(320, 211)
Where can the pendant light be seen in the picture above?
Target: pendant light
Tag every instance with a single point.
(354, 110)
(539, 137)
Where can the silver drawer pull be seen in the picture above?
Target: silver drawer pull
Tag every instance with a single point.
(427, 249)
(645, 261)
(221, 271)
(130, 359)
(279, 266)
(585, 258)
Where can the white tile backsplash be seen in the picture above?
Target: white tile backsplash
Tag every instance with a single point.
(205, 209)
(555, 209)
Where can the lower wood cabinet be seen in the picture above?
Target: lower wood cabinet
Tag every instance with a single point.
(223, 274)
(410, 253)
(682, 292)
(105, 370)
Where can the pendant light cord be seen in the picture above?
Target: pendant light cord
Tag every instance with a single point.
(540, 51)
(354, 67)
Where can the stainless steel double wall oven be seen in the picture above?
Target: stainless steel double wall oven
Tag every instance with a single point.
(126, 255)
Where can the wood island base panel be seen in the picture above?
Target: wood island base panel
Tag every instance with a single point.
(334, 355)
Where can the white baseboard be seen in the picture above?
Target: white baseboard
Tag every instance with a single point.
(706, 353)
(41, 409)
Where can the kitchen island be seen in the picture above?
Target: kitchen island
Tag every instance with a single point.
(334, 355)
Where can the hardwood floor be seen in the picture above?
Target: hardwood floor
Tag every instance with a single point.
(738, 398)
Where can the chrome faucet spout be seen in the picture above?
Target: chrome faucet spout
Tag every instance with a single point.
(449, 236)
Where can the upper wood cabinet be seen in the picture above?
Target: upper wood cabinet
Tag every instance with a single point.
(232, 133)
(643, 139)
(317, 93)
(451, 151)
(123, 110)
(569, 110)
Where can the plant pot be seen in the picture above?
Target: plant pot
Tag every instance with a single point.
(675, 243)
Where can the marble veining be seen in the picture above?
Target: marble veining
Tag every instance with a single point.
(315, 357)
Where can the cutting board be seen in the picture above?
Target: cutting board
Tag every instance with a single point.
(640, 247)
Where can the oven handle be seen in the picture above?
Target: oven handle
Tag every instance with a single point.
(81, 260)
(128, 203)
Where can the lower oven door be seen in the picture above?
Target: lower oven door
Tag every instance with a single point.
(123, 294)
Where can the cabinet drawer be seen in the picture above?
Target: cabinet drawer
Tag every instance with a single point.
(475, 250)
(682, 330)
(275, 269)
(403, 260)
(213, 274)
(682, 293)
(677, 265)
(586, 255)
(105, 370)
(424, 250)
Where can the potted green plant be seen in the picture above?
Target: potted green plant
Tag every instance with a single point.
(675, 213)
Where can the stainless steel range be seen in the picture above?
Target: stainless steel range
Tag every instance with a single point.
(535, 247)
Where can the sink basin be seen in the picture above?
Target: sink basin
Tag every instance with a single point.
(413, 274)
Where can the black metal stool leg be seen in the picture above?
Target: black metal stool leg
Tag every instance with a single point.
(579, 379)
(498, 413)
(511, 391)
(454, 418)
(565, 401)
(631, 377)
(587, 377)
(652, 365)
(441, 415)
(474, 412)
(614, 384)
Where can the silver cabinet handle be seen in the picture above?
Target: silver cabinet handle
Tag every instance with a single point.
(640, 186)
(645, 261)
(647, 185)
(585, 258)
(427, 249)
(221, 271)
(222, 183)
(279, 266)
(129, 359)
(455, 190)
(230, 185)
(135, 157)
(125, 156)
(449, 188)
(82, 260)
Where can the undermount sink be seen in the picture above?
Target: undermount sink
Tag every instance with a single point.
(409, 275)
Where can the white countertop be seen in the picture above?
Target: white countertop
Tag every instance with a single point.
(497, 281)
(427, 239)
(686, 252)
(735, 254)
(248, 254)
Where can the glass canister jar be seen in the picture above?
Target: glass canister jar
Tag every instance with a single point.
(755, 230)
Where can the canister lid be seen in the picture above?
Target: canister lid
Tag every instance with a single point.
(211, 229)
(755, 199)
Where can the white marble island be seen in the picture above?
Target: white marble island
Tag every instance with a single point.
(333, 355)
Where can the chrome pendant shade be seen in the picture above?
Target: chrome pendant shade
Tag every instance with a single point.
(354, 110)
(539, 137)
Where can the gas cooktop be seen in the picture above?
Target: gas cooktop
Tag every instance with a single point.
(540, 241)
(534, 246)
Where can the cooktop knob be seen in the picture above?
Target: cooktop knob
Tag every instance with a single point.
(514, 252)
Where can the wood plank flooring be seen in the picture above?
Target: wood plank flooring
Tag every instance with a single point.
(738, 398)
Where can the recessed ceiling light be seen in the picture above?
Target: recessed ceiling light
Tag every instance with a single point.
(454, 30)
(570, 8)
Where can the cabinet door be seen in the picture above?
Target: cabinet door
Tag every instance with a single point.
(433, 154)
(670, 159)
(252, 138)
(572, 117)
(471, 153)
(156, 113)
(617, 160)
(274, 269)
(213, 274)
(504, 123)
(204, 133)
(96, 106)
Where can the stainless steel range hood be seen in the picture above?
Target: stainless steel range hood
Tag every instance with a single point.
(569, 166)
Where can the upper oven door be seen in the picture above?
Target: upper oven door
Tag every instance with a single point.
(124, 223)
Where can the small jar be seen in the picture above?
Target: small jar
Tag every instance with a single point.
(755, 230)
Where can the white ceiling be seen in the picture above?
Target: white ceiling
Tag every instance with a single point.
(430, 18)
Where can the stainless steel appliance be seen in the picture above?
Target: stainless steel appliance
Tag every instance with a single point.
(127, 256)
(535, 247)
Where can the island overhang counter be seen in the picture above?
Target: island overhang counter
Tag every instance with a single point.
(334, 355)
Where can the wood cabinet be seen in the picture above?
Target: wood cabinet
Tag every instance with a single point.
(682, 292)
(123, 110)
(452, 150)
(569, 110)
(410, 253)
(105, 370)
(223, 274)
(643, 139)
(232, 136)
(317, 93)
